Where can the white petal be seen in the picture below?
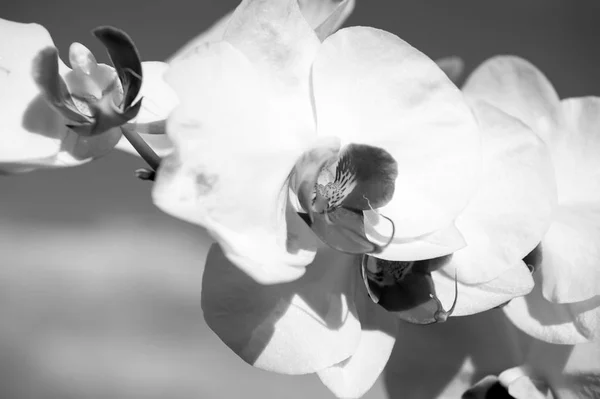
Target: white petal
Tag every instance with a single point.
(278, 41)
(513, 208)
(31, 131)
(475, 298)
(434, 245)
(292, 328)
(518, 88)
(354, 376)
(571, 249)
(555, 323)
(373, 88)
(233, 155)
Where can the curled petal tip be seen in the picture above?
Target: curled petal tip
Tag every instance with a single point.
(81, 58)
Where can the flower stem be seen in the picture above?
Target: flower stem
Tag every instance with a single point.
(147, 153)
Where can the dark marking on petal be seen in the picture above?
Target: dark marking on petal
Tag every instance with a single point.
(375, 172)
(306, 174)
(431, 265)
(405, 288)
(54, 89)
(126, 59)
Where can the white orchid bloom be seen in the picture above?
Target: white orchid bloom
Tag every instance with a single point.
(286, 144)
(565, 305)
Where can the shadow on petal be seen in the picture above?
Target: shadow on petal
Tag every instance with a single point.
(294, 328)
(566, 323)
(40, 118)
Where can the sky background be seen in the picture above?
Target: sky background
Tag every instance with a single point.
(100, 291)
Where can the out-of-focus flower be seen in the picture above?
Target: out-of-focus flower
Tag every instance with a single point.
(486, 356)
(324, 16)
(564, 307)
(53, 116)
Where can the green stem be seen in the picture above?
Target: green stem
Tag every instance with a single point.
(141, 147)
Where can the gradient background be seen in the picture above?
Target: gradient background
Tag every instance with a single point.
(100, 291)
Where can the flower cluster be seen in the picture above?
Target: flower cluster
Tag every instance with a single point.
(351, 187)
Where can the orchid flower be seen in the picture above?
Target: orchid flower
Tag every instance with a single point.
(53, 116)
(410, 130)
(354, 154)
(564, 307)
(486, 356)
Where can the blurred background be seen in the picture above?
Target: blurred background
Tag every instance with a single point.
(100, 291)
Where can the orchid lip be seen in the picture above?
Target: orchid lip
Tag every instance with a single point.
(406, 289)
(335, 188)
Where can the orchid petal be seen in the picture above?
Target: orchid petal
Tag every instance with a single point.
(34, 135)
(518, 88)
(81, 58)
(453, 67)
(233, 156)
(343, 230)
(433, 245)
(45, 72)
(159, 102)
(18, 90)
(293, 328)
(278, 41)
(475, 298)
(509, 214)
(570, 323)
(125, 58)
(571, 249)
(353, 377)
(571, 252)
(400, 101)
